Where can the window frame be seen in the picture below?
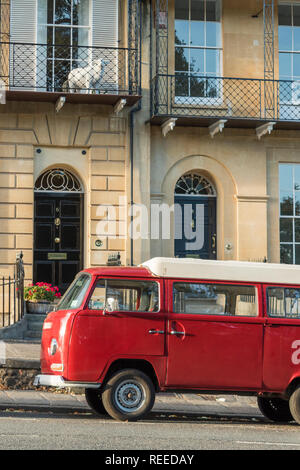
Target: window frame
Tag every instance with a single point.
(135, 312)
(293, 52)
(292, 217)
(188, 100)
(52, 59)
(70, 26)
(216, 316)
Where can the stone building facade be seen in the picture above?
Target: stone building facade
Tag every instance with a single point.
(90, 143)
(202, 113)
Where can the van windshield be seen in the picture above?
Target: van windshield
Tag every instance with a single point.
(74, 296)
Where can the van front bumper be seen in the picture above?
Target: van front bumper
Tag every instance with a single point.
(47, 380)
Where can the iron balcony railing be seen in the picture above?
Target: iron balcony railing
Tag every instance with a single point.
(69, 69)
(197, 96)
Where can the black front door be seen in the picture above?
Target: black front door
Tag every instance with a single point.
(195, 227)
(58, 238)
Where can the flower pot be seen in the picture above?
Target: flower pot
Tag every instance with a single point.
(40, 306)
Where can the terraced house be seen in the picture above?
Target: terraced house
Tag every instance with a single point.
(158, 104)
(71, 73)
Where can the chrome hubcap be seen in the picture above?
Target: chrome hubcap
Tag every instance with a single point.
(130, 396)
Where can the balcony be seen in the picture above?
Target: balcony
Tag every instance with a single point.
(242, 102)
(44, 72)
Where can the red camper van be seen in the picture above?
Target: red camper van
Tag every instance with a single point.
(126, 333)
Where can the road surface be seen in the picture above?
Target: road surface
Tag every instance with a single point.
(160, 431)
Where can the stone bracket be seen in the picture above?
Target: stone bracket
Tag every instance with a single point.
(168, 126)
(60, 103)
(264, 129)
(217, 127)
(119, 105)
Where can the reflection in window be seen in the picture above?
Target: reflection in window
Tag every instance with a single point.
(289, 182)
(283, 302)
(289, 48)
(129, 296)
(214, 299)
(197, 48)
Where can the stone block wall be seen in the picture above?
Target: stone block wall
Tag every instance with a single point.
(89, 140)
(16, 199)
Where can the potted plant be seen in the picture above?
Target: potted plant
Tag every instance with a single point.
(41, 297)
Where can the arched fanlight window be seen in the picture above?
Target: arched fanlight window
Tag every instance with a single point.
(58, 180)
(193, 184)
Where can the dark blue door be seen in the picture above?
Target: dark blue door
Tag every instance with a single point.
(195, 227)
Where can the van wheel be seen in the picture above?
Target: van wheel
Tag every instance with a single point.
(128, 395)
(295, 404)
(275, 409)
(94, 400)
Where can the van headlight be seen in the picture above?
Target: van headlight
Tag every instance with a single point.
(53, 347)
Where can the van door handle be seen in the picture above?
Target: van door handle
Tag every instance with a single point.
(156, 332)
(175, 333)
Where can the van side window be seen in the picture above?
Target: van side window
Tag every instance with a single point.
(215, 299)
(125, 295)
(283, 302)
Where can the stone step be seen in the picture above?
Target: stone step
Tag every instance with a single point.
(35, 317)
(34, 322)
(29, 334)
(35, 326)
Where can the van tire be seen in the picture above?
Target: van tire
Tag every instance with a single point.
(94, 400)
(128, 395)
(295, 404)
(275, 409)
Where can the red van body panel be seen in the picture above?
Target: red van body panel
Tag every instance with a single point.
(281, 363)
(90, 359)
(216, 351)
(186, 351)
(58, 325)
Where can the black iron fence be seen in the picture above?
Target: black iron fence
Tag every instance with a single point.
(12, 295)
(184, 95)
(69, 69)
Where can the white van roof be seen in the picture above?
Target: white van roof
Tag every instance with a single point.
(243, 271)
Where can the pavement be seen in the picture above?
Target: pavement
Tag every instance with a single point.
(166, 405)
(20, 354)
(27, 355)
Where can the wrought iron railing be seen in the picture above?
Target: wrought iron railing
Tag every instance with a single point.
(225, 98)
(12, 295)
(69, 69)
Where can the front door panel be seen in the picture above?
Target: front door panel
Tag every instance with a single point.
(58, 238)
(195, 214)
